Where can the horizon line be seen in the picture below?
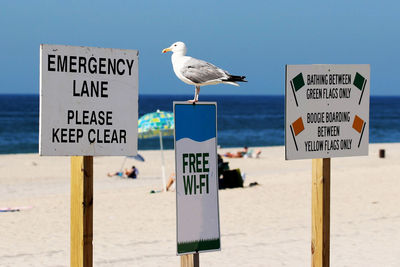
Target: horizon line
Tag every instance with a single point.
(152, 94)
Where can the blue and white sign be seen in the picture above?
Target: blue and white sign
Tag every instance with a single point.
(196, 177)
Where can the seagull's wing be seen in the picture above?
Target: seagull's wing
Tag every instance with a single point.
(199, 71)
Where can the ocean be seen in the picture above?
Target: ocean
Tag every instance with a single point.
(242, 120)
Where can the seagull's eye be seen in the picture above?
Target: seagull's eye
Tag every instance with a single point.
(174, 44)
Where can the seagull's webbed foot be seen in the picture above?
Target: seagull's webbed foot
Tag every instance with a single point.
(193, 101)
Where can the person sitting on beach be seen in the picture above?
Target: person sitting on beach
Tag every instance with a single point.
(128, 173)
(243, 153)
(171, 182)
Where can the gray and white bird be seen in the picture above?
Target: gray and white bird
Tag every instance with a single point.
(198, 72)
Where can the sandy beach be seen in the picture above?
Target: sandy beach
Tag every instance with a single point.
(264, 225)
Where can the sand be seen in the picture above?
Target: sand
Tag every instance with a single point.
(265, 225)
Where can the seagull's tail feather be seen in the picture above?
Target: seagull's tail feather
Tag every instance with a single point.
(231, 83)
(234, 78)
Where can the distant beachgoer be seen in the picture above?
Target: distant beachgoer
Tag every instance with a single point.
(238, 154)
(128, 173)
(245, 152)
(252, 154)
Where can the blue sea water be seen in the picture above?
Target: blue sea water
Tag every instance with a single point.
(242, 120)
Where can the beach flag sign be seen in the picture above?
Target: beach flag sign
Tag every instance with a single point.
(359, 126)
(197, 209)
(296, 84)
(326, 111)
(359, 83)
(88, 101)
(296, 128)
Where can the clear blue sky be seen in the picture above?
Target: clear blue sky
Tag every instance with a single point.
(252, 38)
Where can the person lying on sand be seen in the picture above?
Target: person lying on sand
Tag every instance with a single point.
(128, 173)
(246, 153)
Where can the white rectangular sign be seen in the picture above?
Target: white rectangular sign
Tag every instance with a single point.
(88, 101)
(327, 111)
(196, 177)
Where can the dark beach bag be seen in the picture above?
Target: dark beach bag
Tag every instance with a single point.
(231, 179)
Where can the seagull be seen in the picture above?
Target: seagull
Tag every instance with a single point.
(197, 72)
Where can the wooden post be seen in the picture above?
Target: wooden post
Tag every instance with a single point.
(190, 260)
(81, 211)
(321, 187)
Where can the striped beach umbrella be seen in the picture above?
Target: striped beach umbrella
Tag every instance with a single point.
(159, 123)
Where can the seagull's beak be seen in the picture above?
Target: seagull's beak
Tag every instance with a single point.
(166, 50)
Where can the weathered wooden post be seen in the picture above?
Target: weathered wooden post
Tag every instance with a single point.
(82, 211)
(321, 187)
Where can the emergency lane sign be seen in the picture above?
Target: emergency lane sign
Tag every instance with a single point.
(88, 101)
(196, 177)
